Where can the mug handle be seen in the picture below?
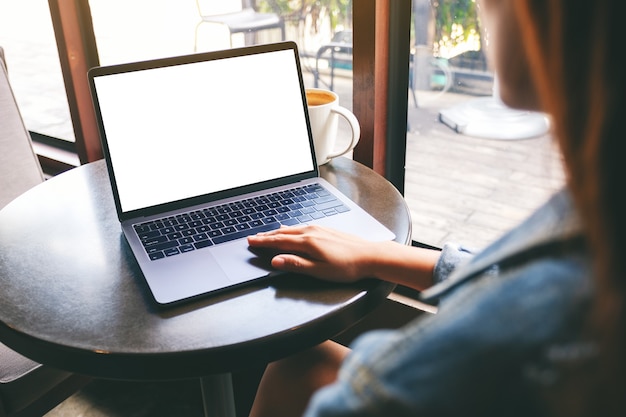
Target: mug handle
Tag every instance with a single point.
(355, 127)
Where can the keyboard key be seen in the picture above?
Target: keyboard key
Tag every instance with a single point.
(171, 252)
(289, 222)
(295, 213)
(244, 233)
(149, 235)
(317, 215)
(175, 236)
(156, 226)
(142, 228)
(156, 255)
(161, 246)
(228, 230)
(155, 241)
(186, 248)
(327, 205)
(216, 225)
(203, 244)
(325, 199)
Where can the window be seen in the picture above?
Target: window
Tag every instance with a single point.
(27, 37)
(468, 182)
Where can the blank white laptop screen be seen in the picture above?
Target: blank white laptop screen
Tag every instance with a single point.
(153, 118)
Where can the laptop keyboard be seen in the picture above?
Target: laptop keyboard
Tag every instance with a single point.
(173, 235)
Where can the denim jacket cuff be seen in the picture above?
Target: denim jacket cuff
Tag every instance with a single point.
(452, 255)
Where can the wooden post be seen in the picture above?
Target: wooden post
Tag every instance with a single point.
(380, 93)
(76, 44)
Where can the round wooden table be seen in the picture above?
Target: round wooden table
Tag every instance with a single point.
(74, 298)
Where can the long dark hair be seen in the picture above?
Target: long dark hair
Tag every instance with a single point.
(576, 48)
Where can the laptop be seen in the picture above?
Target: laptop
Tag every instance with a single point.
(205, 149)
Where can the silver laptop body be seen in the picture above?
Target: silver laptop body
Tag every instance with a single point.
(192, 139)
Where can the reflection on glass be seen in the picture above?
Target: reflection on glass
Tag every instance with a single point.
(27, 37)
(464, 187)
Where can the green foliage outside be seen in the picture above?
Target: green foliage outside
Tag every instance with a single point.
(456, 21)
(339, 11)
(456, 25)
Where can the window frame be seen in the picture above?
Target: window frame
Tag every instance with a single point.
(76, 44)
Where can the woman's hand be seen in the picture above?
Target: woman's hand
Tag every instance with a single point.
(317, 251)
(335, 256)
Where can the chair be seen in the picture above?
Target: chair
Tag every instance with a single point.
(26, 387)
(246, 20)
(338, 53)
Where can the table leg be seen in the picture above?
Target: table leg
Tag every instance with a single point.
(217, 395)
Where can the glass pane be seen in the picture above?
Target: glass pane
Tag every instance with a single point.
(474, 167)
(27, 37)
(135, 30)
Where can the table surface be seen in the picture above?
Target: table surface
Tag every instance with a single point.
(74, 298)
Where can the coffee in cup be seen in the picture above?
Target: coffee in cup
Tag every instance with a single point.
(324, 112)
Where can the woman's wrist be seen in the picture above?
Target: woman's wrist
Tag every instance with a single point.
(400, 264)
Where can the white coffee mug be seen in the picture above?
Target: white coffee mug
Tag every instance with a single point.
(324, 112)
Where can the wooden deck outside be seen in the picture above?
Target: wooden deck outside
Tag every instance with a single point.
(467, 189)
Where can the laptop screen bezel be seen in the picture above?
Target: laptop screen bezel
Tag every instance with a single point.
(96, 72)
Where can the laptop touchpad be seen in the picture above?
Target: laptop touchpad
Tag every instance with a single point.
(239, 263)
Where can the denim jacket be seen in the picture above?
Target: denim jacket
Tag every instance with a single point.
(506, 319)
